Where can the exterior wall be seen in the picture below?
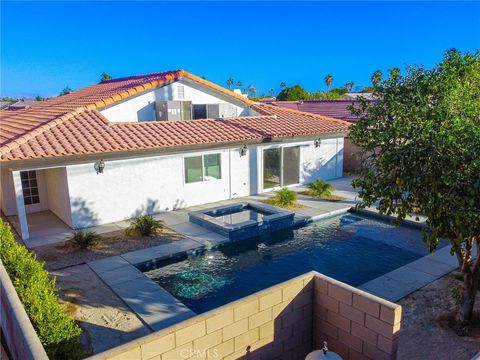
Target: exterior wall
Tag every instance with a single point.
(17, 330)
(58, 194)
(128, 188)
(273, 323)
(324, 162)
(351, 163)
(8, 194)
(355, 324)
(142, 108)
(285, 321)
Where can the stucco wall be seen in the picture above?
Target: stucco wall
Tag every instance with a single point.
(128, 188)
(8, 194)
(142, 107)
(58, 194)
(285, 321)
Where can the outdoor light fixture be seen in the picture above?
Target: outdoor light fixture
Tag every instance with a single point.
(243, 150)
(317, 143)
(99, 166)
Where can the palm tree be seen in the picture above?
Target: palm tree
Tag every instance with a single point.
(328, 81)
(271, 92)
(239, 84)
(105, 77)
(230, 82)
(283, 85)
(394, 73)
(376, 77)
(252, 90)
(349, 86)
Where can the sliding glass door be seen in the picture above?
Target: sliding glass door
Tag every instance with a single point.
(272, 168)
(281, 167)
(291, 165)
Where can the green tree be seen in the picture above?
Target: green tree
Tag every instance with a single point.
(349, 86)
(328, 81)
(39, 98)
(394, 73)
(230, 82)
(66, 90)
(271, 93)
(283, 85)
(376, 77)
(420, 144)
(239, 84)
(252, 90)
(293, 93)
(105, 77)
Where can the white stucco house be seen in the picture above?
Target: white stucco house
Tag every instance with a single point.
(152, 143)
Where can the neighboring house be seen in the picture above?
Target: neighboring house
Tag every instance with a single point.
(5, 104)
(355, 96)
(21, 104)
(337, 109)
(151, 143)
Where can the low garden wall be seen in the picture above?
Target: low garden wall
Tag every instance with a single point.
(285, 321)
(18, 332)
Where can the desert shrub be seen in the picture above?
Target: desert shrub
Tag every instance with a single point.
(456, 295)
(144, 225)
(56, 330)
(85, 239)
(284, 198)
(320, 188)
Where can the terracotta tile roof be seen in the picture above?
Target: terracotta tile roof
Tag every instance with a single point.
(69, 125)
(337, 109)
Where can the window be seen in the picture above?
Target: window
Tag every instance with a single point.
(193, 169)
(30, 187)
(211, 164)
(181, 91)
(202, 168)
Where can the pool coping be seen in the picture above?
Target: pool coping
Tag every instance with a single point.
(159, 309)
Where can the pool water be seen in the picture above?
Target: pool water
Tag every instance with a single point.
(241, 216)
(349, 248)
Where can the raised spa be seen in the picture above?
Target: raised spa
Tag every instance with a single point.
(243, 220)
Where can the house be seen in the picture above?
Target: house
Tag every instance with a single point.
(21, 104)
(151, 143)
(337, 109)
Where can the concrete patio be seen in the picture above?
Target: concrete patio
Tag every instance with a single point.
(46, 228)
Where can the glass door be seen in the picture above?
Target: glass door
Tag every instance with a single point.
(291, 165)
(281, 167)
(271, 168)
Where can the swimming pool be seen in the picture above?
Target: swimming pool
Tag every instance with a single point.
(350, 248)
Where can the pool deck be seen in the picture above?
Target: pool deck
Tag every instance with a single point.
(158, 309)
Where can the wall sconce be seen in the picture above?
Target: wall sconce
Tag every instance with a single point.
(99, 166)
(243, 150)
(317, 143)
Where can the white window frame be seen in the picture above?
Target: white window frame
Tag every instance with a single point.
(203, 168)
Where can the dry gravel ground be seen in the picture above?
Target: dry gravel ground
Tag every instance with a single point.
(107, 321)
(425, 333)
(59, 256)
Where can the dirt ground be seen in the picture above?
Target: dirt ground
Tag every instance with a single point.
(107, 322)
(58, 256)
(425, 334)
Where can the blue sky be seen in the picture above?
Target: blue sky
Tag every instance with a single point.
(47, 46)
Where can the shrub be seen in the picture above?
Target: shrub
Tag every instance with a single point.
(145, 225)
(284, 198)
(56, 330)
(85, 239)
(320, 188)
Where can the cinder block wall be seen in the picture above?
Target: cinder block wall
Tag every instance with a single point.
(286, 321)
(355, 324)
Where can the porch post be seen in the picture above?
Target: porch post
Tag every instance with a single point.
(21, 212)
